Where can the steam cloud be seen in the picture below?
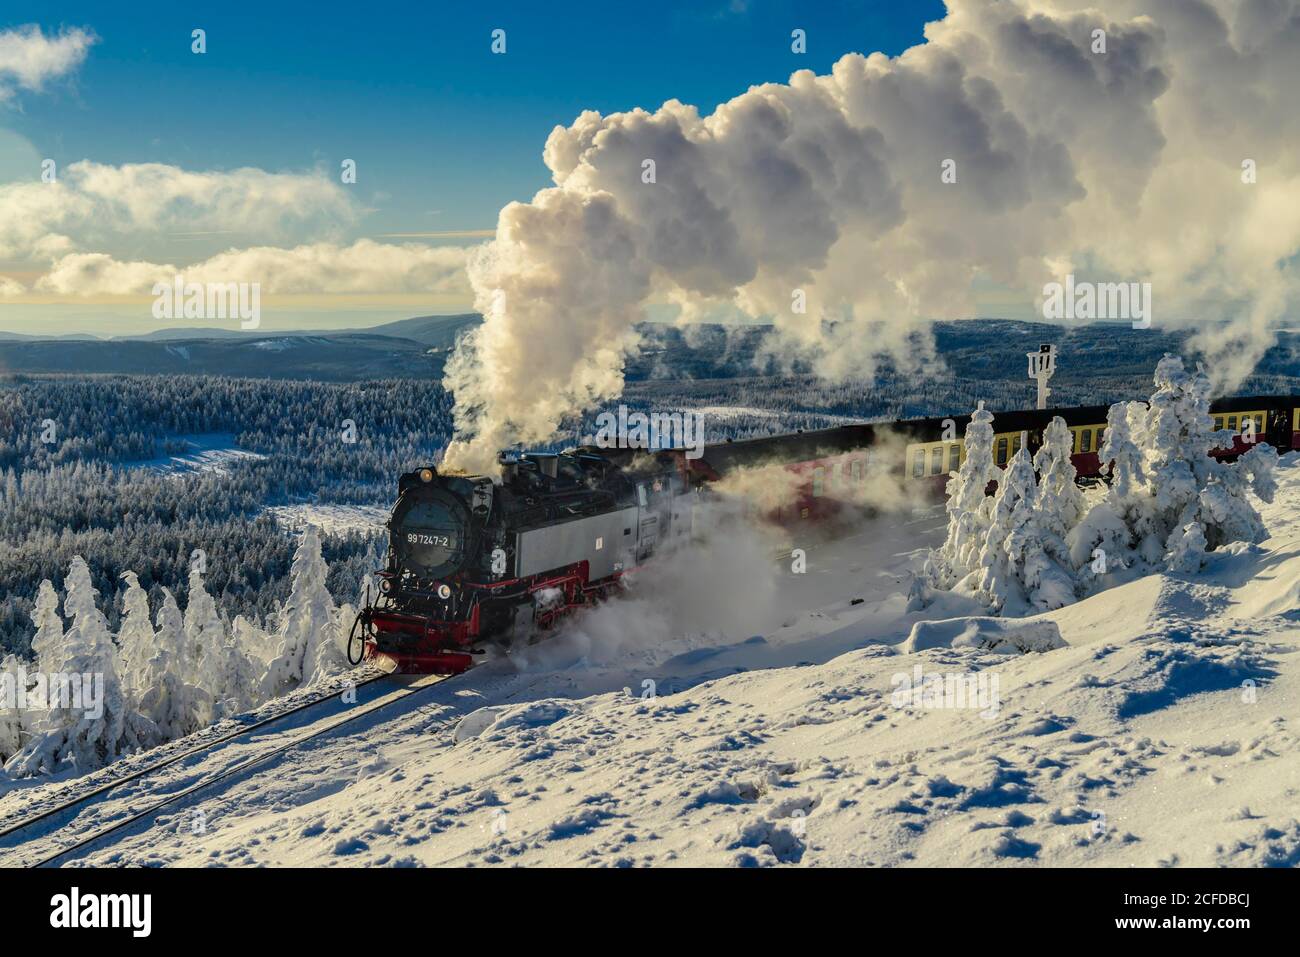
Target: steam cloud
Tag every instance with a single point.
(1124, 165)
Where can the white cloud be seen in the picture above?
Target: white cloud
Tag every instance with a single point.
(29, 58)
(10, 288)
(364, 266)
(99, 204)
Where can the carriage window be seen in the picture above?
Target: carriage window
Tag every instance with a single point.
(857, 470)
(819, 482)
(1259, 422)
(936, 460)
(1002, 452)
(1218, 422)
(954, 458)
(918, 464)
(1232, 423)
(1101, 434)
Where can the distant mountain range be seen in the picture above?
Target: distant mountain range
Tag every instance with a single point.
(19, 336)
(418, 348)
(408, 348)
(434, 331)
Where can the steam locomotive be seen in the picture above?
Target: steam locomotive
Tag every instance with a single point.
(471, 559)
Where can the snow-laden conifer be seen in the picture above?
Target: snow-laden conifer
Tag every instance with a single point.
(969, 507)
(309, 648)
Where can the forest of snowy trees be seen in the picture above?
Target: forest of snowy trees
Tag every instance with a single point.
(72, 482)
(162, 675)
(1040, 542)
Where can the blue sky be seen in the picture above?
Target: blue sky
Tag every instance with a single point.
(444, 132)
(415, 96)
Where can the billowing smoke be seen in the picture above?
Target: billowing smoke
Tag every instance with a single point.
(715, 584)
(1025, 140)
(766, 487)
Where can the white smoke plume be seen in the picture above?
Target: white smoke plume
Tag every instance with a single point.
(766, 487)
(1126, 164)
(715, 582)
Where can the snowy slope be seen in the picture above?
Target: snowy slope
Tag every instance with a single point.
(1141, 742)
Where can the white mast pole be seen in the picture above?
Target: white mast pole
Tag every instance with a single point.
(1042, 364)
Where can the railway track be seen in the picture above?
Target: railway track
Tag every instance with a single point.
(30, 854)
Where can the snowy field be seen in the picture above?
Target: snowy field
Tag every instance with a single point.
(206, 452)
(331, 519)
(1161, 733)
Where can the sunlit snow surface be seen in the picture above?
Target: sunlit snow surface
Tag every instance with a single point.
(1164, 733)
(331, 519)
(205, 452)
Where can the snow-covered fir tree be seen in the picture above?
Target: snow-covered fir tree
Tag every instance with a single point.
(12, 680)
(1017, 574)
(1179, 483)
(206, 641)
(136, 640)
(309, 648)
(1060, 502)
(969, 508)
(176, 705)
(48, 622)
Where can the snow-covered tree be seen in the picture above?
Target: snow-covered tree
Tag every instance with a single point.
(1121, 447)
(308, 623)
(136, 640)
(12, 683)
(1179, 483)
(241, 670)
(175, 705)
(1060, 502)
(969, 507)
(1186, 549)
(1017, 573)
(206, 641)
(46, 618)
(74, 728)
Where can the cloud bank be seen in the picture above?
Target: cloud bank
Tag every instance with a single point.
(364, 266)
(1123, 162)
(101, 205)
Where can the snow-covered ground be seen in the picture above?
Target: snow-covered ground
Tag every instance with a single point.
(1162, 733)
(331, 519)
(205, 452)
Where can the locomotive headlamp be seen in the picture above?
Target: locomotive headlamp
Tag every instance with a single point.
(385, 585)
(444, 592)
(426, 475)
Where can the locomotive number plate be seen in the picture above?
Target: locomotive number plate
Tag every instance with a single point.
(419, 538)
